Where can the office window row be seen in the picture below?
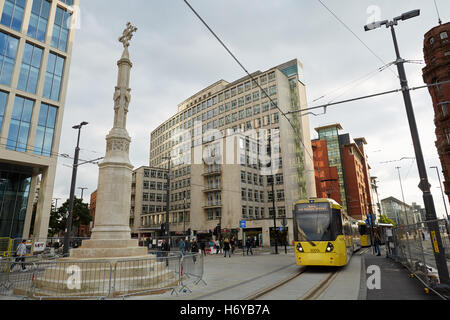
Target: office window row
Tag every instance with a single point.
(19, 128)
(13, 13)
(30, 68)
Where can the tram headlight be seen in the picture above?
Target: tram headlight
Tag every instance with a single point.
(300, 248)
(330, 247)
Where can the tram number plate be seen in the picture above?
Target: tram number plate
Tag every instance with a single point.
(315, 251)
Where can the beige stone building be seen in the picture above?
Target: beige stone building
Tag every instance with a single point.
(225, 144)
(36, 40)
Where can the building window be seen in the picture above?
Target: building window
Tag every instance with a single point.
(12, 16)
(244, 212)
(444, 35)
(20, 125)
(281, 212)
(53, 77)
(280, 195)
(45, 130)
(273, 90)
(3, 101)
(244, 194)
(31, 66)
(39, 19)
(8, 50)
(61, 29)
(68, 2)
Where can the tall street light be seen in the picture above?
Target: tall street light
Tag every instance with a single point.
(442, 190)
(166, 229)
(424, 185)
(82, 192)
(72, 190)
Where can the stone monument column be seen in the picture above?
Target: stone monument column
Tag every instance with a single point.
(111, 236)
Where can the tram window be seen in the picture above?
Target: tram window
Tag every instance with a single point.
(337, 222)
(362, 229)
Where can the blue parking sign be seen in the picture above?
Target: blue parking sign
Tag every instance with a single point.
(243, 224)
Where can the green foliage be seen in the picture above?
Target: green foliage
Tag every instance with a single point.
(386, 220)
(58, 218)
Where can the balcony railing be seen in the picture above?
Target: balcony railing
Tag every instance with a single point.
(212, 187)
(213, 204)
(213, 170)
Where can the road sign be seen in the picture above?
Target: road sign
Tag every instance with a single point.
(243, 224)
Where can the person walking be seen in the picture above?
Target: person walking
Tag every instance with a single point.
(377, 242)
(226, 248)
(249, 245)
(194, 250)
(20, 255)
(203, 247)
(211, 246)
(217, 242)
(233, 245)
(182, 246)
(165, 251)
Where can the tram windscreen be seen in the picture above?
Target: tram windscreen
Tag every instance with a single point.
(313, 222)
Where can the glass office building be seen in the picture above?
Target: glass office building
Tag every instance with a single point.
(36, 39)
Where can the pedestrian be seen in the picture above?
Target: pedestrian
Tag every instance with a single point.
(249, 245)
(233, 245)
(194, 250)
(377, 241)
(165, 251)
(20, 255)
(203, 247)
(182, 246)
(211, 246)
(226, 248)
(217, 243)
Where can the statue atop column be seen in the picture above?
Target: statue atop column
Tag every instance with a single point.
(127, 35)
(111, 236)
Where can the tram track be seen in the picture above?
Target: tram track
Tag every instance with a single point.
(320, 288)
(275, 286)
(313, 294)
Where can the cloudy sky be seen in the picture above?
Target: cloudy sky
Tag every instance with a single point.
(175, 56)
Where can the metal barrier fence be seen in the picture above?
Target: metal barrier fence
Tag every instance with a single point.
(412, 246)
(192, 270)
(72, 279)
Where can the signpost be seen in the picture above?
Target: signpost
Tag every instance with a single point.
(243, 226)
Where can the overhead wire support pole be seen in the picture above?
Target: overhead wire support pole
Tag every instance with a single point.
(424, 185)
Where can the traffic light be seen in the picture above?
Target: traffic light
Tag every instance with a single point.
(163, 229)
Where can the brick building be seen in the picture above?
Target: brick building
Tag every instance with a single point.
(437, 59)
(341, 170)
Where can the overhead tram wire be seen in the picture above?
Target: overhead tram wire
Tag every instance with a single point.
(360, 40)
(366, 97)
(357, 81)
(248, 73)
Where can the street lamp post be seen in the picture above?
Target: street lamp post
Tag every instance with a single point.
(424, 185)
(72, 190)
(82, 193)
(166, 229)
(184, 213)
(442, 190)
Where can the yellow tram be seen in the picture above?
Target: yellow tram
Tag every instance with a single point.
(364, 231)
(324, 234)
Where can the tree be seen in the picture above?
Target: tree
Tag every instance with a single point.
(386, 220)
(81, 216)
